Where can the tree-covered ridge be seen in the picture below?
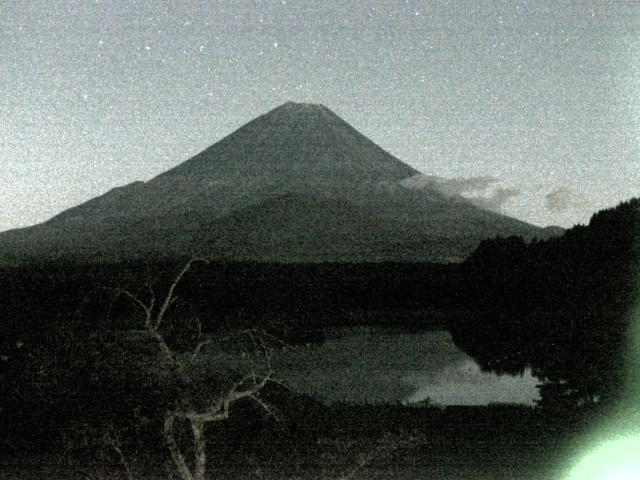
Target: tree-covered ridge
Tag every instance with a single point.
(560, 306)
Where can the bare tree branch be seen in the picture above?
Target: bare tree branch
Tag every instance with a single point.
(265, 406)
(200, 454)
(197, 349)
(174, 450)
(247, 387)
(145, 308)
(170, 298)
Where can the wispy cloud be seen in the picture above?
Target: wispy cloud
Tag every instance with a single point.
(560, 199)
(480, 190)
(496, 200)
(449, 186)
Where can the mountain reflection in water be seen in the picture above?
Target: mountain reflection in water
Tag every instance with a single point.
(376, 365)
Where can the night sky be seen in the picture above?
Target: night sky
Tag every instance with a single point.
(532, 107)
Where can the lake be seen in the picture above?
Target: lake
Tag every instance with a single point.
(376, 365)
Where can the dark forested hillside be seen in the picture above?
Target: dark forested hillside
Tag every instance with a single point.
(560, 306)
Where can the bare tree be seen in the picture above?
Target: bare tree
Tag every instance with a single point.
(187, 368)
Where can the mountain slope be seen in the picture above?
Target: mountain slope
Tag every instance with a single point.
(294, 148)
(296, 227)
(295, 184)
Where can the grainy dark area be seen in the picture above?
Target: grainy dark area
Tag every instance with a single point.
(84, 383)
(289, 240)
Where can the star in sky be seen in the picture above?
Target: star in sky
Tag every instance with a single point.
(541, 95)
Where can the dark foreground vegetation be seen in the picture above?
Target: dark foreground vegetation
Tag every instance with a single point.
(308, 440)
(76, 397)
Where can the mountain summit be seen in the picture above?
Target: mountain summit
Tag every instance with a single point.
(294, 142)
(295, 184)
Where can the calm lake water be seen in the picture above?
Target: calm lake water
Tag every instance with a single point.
(376, 365)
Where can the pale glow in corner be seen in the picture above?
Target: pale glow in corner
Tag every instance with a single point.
(614, 460)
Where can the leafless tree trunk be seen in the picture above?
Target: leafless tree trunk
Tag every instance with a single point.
(248, 387)
(174, 449)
